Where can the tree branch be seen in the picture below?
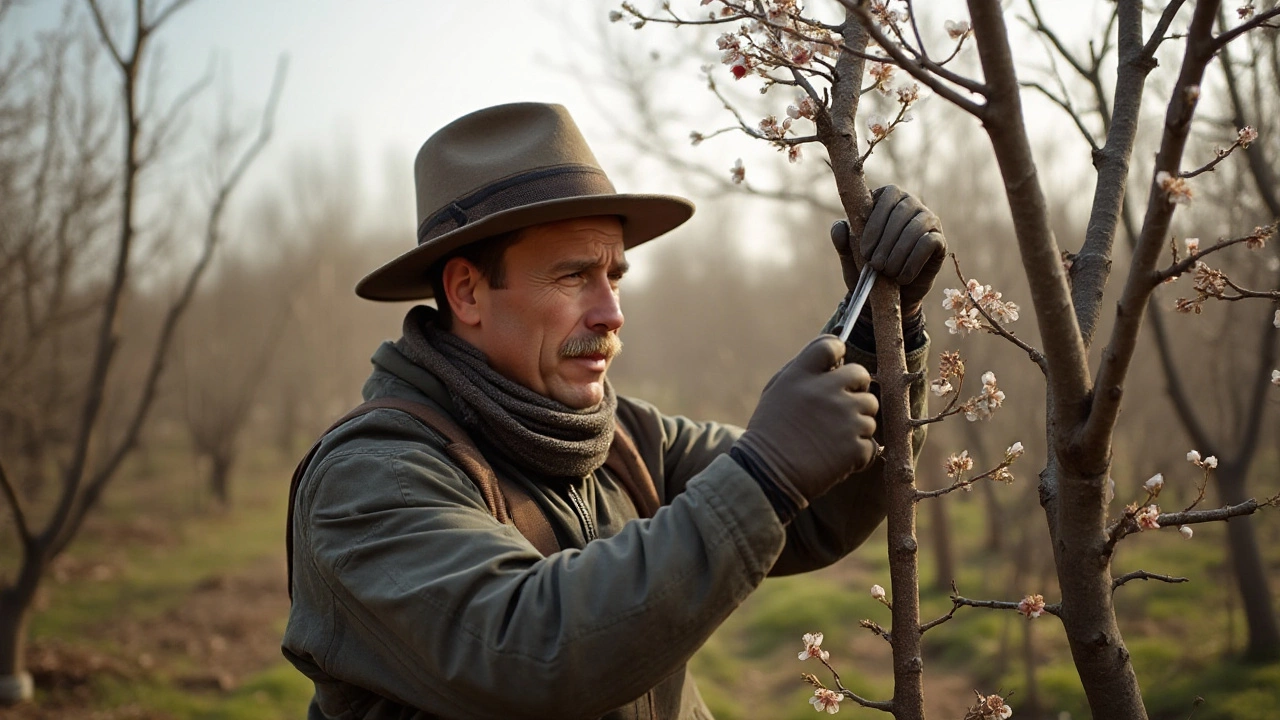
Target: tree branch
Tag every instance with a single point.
(15, 506)
(1144, 575)
(1259, 20)
(1092, 269)
(105, 34)
(926, 72)
(1118, 355)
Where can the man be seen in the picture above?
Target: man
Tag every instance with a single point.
(412, 599)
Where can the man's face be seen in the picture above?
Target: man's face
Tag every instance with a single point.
(554, 325)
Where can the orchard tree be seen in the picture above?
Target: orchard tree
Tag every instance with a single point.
(877, 51)
(58, 197)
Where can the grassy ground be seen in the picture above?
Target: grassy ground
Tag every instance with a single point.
(168, 608)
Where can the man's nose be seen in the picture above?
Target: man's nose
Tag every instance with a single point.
(605, 313)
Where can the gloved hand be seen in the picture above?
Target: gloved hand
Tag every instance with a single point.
(814, 423)
(903, 240)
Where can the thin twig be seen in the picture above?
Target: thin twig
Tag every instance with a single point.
(1144, 575)
(1034, 354)
(885, 705)
(926, 72)
(1189, 263)
(1066, 105)
(1209, 166)
(1259, 20)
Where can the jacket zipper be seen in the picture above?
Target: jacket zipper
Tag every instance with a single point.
(580, 507)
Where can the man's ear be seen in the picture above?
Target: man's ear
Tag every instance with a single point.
(463, 287)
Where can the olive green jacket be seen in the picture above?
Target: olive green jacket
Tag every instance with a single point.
(412, 601)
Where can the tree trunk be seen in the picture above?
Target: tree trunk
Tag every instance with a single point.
(1263, 643)
(220, 477)
(1088, 613)
(15, 612)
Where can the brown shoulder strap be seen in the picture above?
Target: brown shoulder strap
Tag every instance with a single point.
(507, 501)
(624, 461)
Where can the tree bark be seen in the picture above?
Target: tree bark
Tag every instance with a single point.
(15, 613)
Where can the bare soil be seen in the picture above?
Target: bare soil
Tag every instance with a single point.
(226, 629)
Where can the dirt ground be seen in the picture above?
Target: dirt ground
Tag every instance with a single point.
(227, 629)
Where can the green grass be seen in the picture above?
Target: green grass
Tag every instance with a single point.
(153, 579)
(279, 693)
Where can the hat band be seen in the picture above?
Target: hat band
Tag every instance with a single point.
(535, 186)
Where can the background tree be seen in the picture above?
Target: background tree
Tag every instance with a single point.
(47, 256)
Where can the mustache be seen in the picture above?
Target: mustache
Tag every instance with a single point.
(607, 345)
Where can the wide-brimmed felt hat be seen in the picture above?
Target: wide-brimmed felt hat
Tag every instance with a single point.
(505, 168)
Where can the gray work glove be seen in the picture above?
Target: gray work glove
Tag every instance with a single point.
(903, 240)
(814, 423)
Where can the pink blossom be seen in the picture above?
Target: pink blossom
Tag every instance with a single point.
(989, 707)
(737, 173)
(908, 94)
(1193, 245)
(1176, 188)
(813, 647)
(793, 153)
(954, 300)
(879, 127)
(1246, 135)
(824, 699)
(957, 29)
(1031, 606)
(959, 464)
(963, 322)
(882, 73)
(1260, 236)
(1147, 518)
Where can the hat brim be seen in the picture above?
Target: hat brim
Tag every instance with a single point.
(644, 217)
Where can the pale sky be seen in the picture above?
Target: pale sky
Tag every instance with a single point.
(374, 78)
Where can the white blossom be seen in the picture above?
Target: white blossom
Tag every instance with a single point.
(1186, 531)
(1154, 485)
(957, 29)
(813, 647)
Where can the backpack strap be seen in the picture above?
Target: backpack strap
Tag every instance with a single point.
(624, 461)
(508, 502)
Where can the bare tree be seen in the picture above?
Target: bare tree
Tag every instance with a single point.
(94, 456)
(784, 47)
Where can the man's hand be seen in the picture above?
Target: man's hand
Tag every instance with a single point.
(814, 424)
(902, 240)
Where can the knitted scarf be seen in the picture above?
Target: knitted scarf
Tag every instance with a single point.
(535, 431)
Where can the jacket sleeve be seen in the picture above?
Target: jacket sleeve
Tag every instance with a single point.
(831, 526)
(440, 607)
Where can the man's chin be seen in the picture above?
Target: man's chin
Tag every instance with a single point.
(581, 396)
